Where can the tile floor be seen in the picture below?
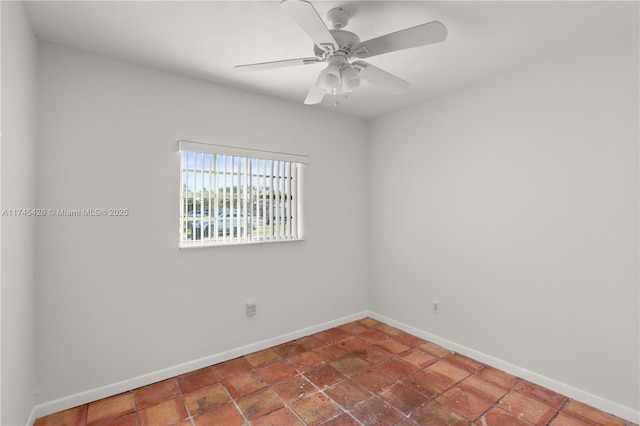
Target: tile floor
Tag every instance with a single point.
(361, 373)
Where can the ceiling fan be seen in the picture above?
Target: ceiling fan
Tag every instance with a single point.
(338, 47)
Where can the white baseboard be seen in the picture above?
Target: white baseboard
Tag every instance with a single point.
(85, 397)
(603, 404)
(32, 416)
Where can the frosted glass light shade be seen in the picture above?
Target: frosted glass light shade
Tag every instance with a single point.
(329, 78)
(350, 78)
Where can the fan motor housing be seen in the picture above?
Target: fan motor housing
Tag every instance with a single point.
(338, 18)
(344, 39)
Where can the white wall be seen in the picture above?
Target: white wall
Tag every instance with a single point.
(514, 203)
(117, 299)
(18, 189)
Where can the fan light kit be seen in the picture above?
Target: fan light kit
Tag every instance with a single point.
(337, 47)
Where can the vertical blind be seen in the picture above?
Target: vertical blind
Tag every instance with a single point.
(231, 195)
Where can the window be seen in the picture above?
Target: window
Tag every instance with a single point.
(233, 195)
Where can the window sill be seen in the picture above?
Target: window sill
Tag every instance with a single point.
(203, 244)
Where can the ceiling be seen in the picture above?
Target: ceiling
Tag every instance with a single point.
(205, 39)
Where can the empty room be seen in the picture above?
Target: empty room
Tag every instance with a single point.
(320, 213)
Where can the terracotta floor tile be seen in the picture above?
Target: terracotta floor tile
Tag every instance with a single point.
(277, 371)
(352, 343)
(352, 328)
(281, 417)
(403, 398)
(343, 419)
(197, 379)
(334, 334)
(393, 346)
(463, 362)
(130, 419)
(498, 417)
(289, 349)
(156, 393)
(231, 368)
(330, 352)
(351, 365)
(591, 415)
(486, 390)
(419, 358)
(262, 358)
(374, 380)
(435, 350)
(347, 393)
(110, 408)
(398, 368)
(375, 411)
(409, 339)
(244, 384)
(372, 354)
(225, 414)
(566, 420)
(370, 322)
(305, 361)
(498, 377)
(436, 414)
(406, 422)
(166, 413)
(373, 336)
(547, 396)
(207, 398)
(339, 333)
(324, 376)
(527, 408)
(464, 403)
(447, 372)
(72, 417)
(260, 403)
(427, 384)
(315, 409)
(387, 329)
(312, 342)
(294, 388)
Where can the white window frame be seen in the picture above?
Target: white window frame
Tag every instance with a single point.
(252, 216)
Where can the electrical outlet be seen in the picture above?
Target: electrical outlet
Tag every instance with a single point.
(251, 308)
(436, 307)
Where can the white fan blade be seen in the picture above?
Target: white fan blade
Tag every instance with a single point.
(277, 64)
(316, 94)
(383, 79)
(421, 35)
(308, 19)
